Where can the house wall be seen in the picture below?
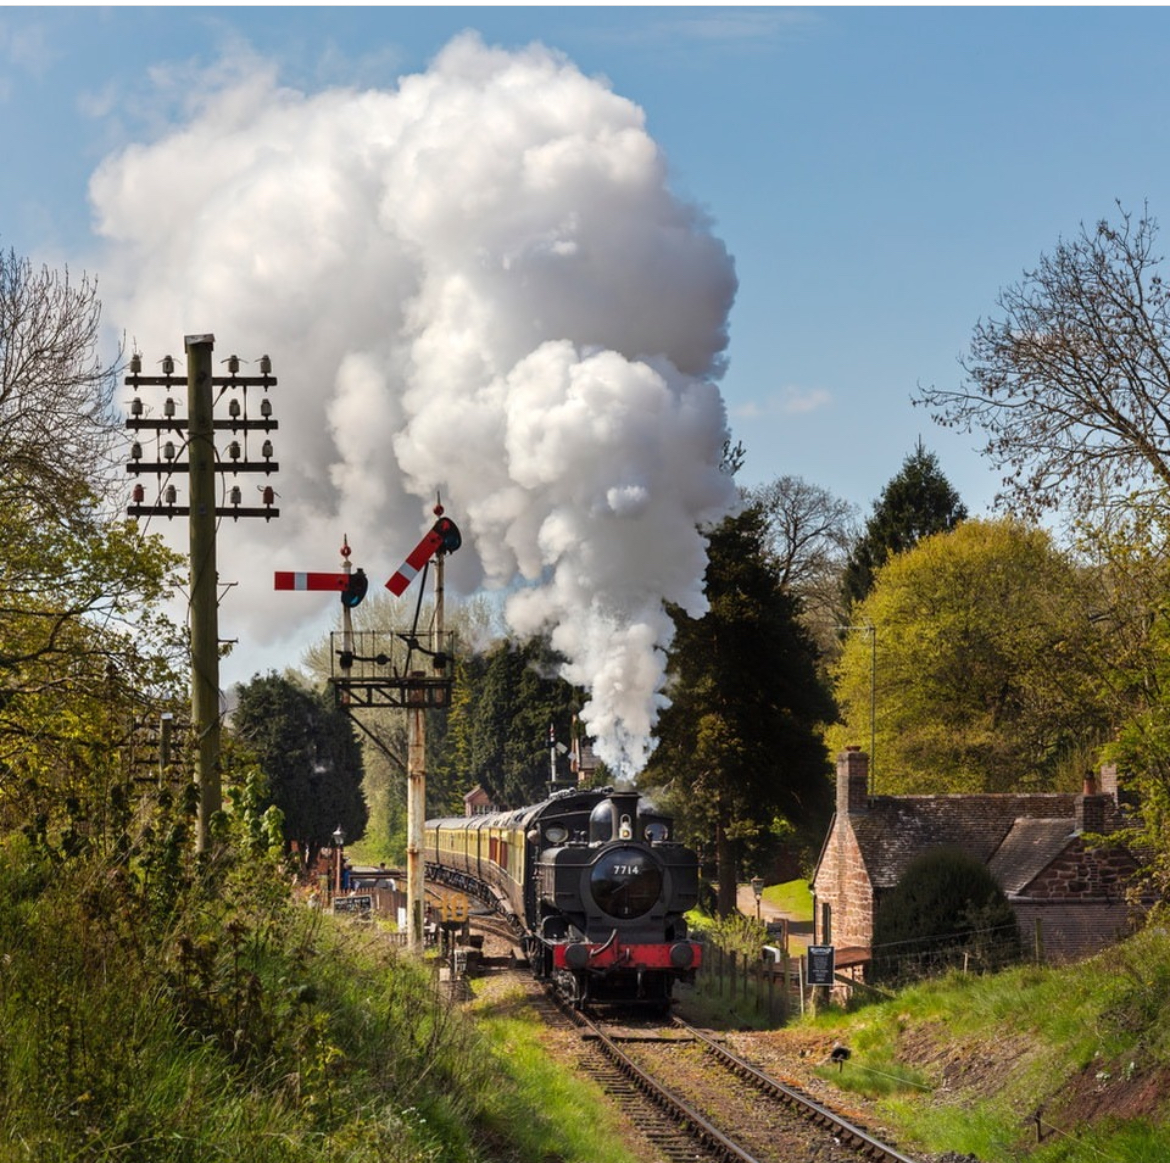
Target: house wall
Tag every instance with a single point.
(842, 881)
(1070, 928)
(843, 884)
(1080, 873)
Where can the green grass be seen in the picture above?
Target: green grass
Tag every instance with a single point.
(229, 1022)
(545, 1101)
(793, 897)
(962, 1063)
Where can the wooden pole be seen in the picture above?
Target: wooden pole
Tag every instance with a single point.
(204, 596)
(416, 796)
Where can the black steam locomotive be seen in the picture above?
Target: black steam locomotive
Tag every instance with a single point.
(593, 884)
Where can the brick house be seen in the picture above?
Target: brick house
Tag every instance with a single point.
(1032, 843)
(478, 803)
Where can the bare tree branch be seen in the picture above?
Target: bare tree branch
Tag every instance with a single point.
(1072, 383)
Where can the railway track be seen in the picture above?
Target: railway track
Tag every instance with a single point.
(704, 1098)
(695, 1100)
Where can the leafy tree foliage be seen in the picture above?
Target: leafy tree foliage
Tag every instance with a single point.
(306, 747)
(83, 651)
(986, 678)
(739, 746)
(1132, 609)
(947, 906)
(917, 502)
(1072, 382)
(499, 725)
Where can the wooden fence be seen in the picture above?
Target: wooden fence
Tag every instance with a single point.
(772, 985)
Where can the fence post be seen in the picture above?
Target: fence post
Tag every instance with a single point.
(1039, 941)
(785, 988)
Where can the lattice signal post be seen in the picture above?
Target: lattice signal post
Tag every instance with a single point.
(186, 445)
(409, 670)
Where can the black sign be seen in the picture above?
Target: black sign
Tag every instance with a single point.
(821, 964)
(353, 904)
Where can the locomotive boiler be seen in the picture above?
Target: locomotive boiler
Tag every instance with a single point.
(593, 883)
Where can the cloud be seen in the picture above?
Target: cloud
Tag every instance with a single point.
(477, 283)
(788, 401)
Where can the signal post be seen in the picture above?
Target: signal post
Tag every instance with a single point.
(408, 670)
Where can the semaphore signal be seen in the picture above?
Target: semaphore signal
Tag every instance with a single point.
(442, 537)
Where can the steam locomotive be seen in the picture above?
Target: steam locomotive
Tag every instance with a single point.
(593, 884)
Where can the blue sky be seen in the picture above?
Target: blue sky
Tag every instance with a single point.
(875, 174)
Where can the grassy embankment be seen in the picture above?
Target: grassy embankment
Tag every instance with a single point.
(965, 1064)
(154, 1017)
(150, 1017)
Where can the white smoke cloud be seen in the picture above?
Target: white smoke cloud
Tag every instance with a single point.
(478, 283)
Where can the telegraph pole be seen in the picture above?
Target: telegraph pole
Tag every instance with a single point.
(203, 466)
(204, 597)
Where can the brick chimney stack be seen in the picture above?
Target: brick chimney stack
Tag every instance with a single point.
(1091, 807)
(852, 781)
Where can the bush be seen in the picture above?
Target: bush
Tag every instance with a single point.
(945, 912)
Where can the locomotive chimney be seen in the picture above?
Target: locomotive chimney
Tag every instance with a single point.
(625, 814)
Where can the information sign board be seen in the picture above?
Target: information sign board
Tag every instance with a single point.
(821, 964)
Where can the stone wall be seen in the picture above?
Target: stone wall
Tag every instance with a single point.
(1084, 873)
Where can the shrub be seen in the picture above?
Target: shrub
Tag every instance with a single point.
(945, 912)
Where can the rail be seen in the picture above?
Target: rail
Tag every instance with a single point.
(859, 1137)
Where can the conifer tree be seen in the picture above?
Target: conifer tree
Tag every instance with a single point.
(739, 747)
(307, 748)
(917, 502)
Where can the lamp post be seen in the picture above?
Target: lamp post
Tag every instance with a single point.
(758, 889)
(338, 845)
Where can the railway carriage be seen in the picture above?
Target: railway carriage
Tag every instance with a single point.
(593, 883)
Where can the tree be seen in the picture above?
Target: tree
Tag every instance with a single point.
(946, 907)
(56, 420)
(739, 748)
(1072, 382)
(809, 534)
(501, 734)
(917, 502)
(83, 649)
(306, 747)
(474, 626)
(986, 665)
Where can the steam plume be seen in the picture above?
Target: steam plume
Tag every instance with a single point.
(478, 282)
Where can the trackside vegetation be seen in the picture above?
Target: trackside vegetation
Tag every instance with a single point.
(152, 1013)
(1061, 1065)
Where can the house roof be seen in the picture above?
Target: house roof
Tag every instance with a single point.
(1029, 848)
(896, 829)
